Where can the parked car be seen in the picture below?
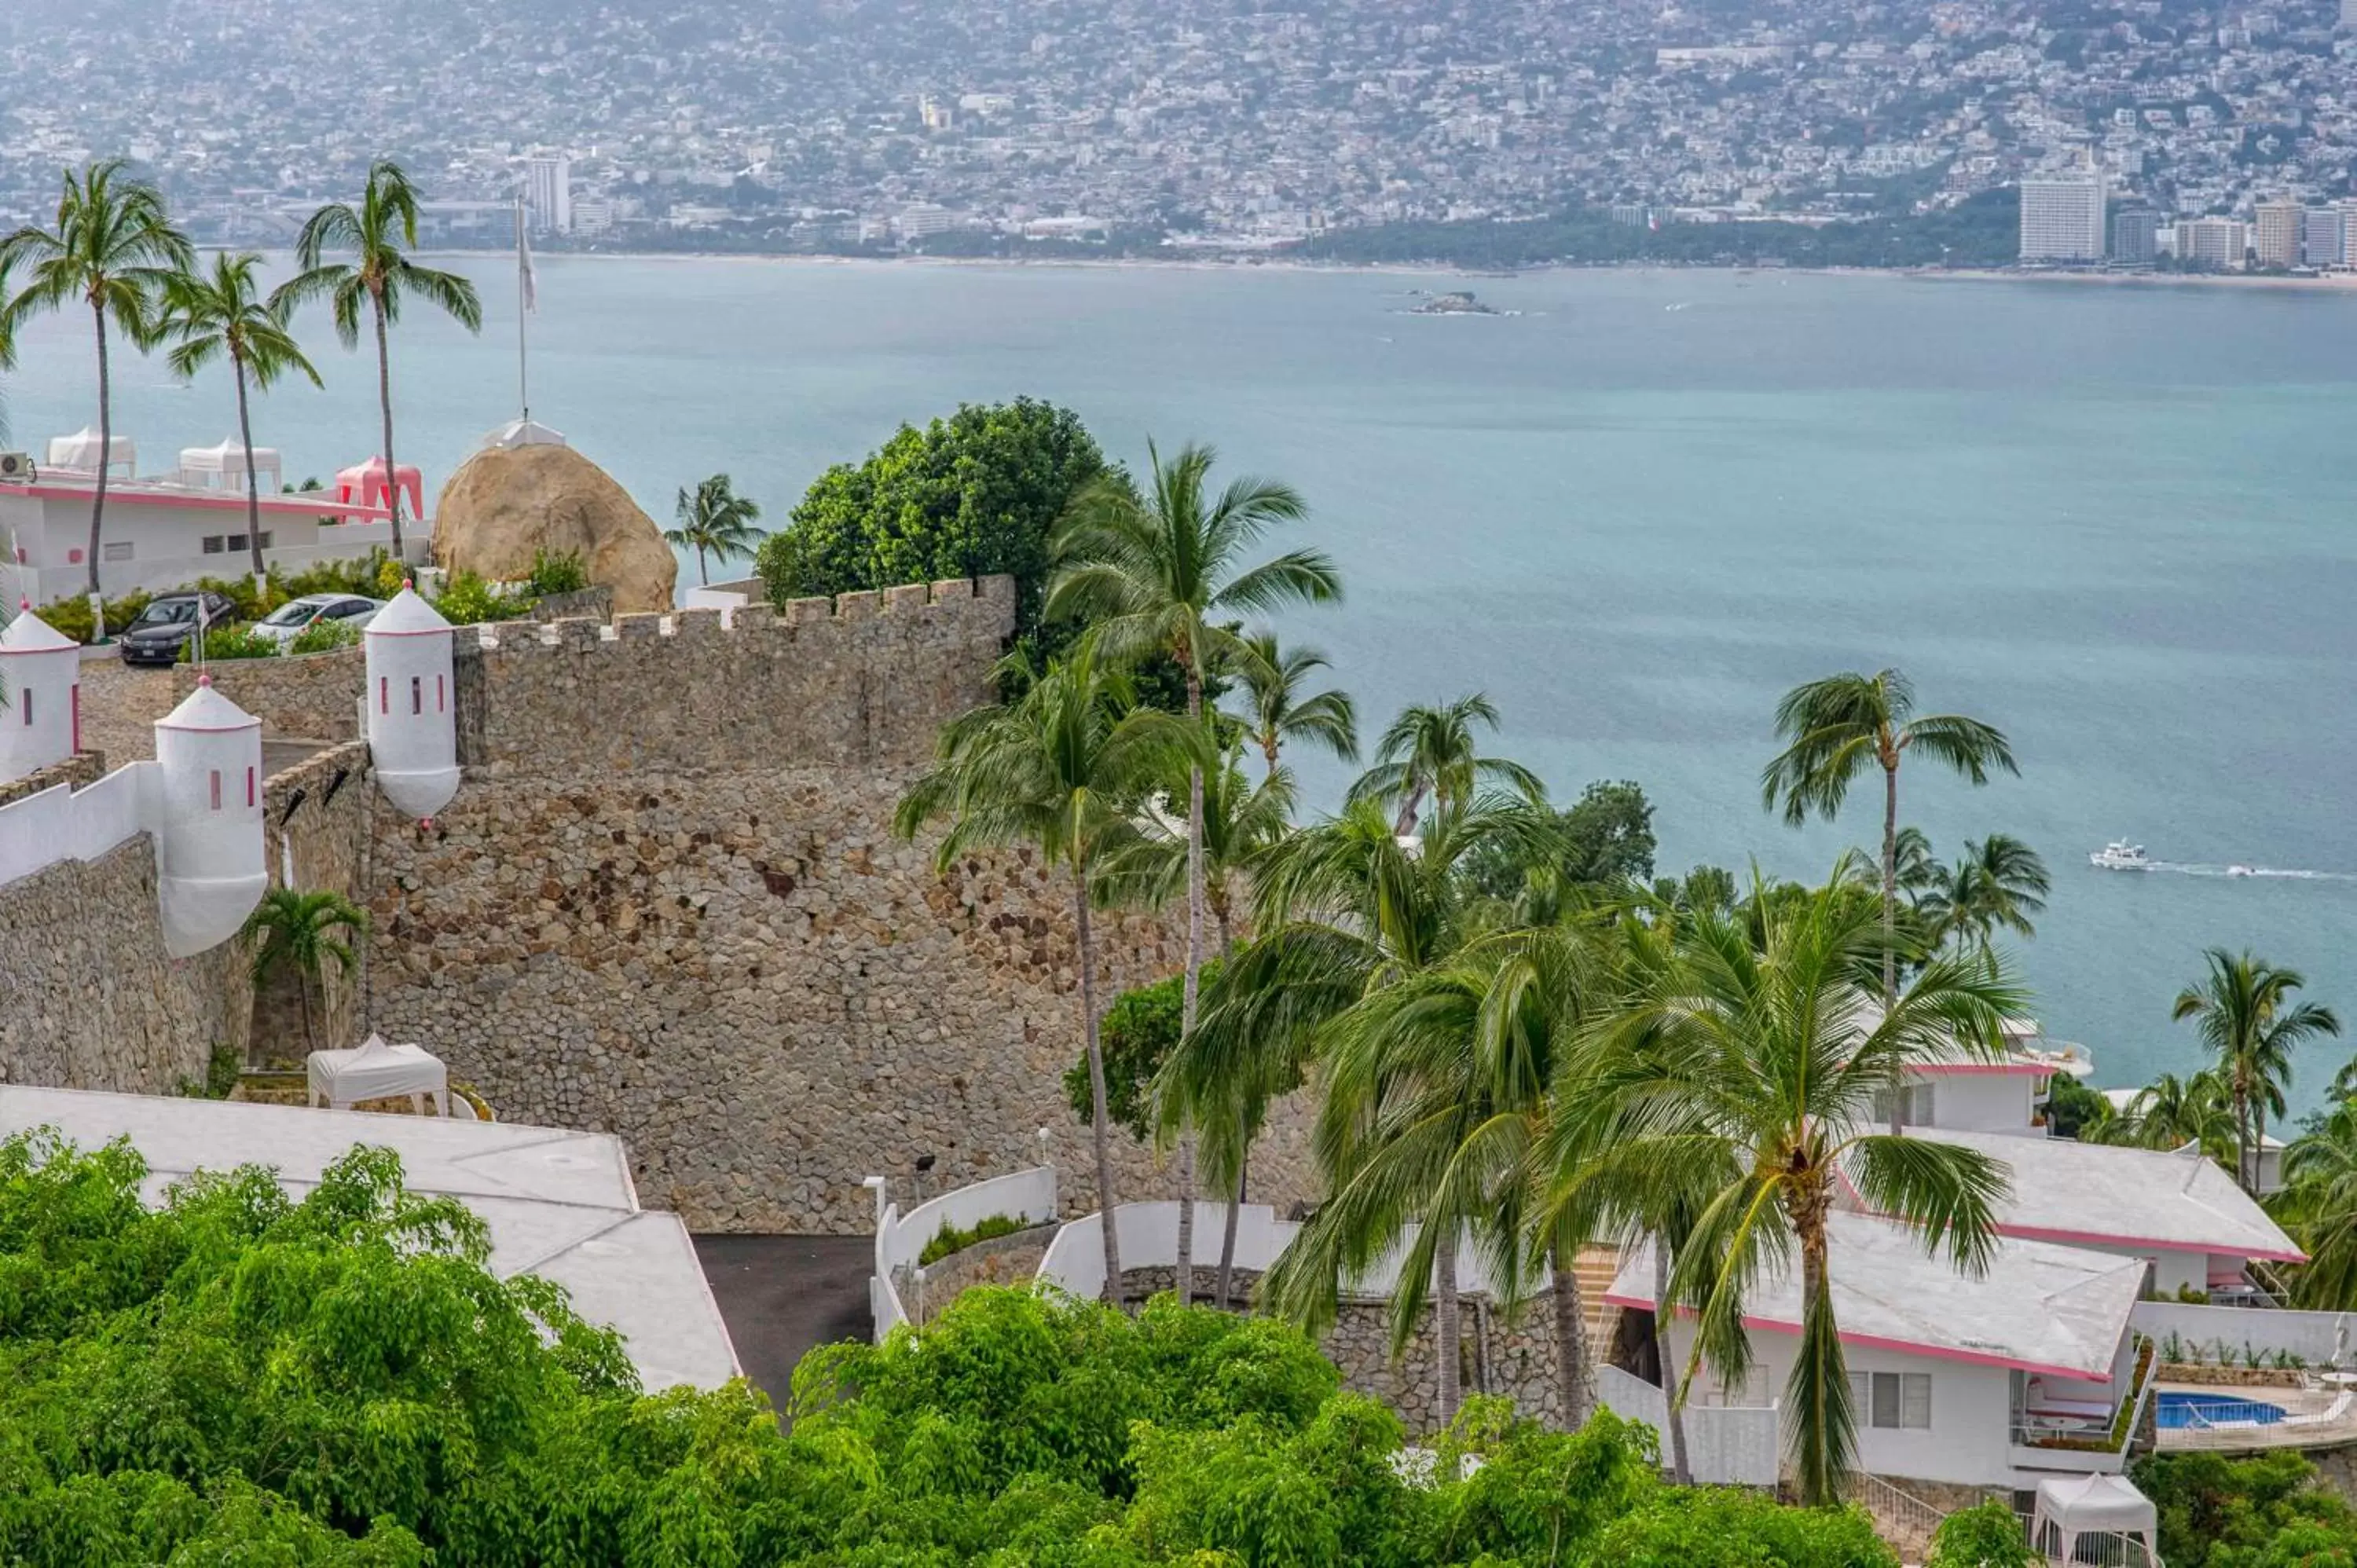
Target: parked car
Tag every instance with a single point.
(163, 628)
(289, 619)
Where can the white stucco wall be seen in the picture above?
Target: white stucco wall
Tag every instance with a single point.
(1984, 1102)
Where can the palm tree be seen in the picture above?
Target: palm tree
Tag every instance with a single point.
(2170, 1112)
(1277, 709)
(1153, 573)
(380, 277)
(113, 247)
(1760, 1060)
(222, 314)
(1837, 727)
(1999, 882)
(2242, 1011)
(713, 517)
(2319, 1204)
(304, 932)
(1431, 752)
(1063, 771)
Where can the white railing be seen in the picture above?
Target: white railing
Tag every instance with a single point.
(2234, 1335)
(2092, 1548)
(1903, 1520)
(65, 823)
(901, 1240)
(2264, 1418)
(1729, 1445)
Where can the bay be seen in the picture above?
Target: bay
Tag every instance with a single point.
(2112, 520)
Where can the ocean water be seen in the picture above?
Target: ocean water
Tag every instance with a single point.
(2114, 521)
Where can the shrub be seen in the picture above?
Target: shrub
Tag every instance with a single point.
(556, 574)
(71, 616)
(235, 641)
(222, 1069)
(1986, 1535)
(956, 1239)
(1139, 1030)
(468, 600)
(391, 577)
(2267, 1511)
(325, 637)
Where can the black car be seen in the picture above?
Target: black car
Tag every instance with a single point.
(161, 632)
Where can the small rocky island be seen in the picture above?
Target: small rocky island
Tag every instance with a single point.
(1460, 303)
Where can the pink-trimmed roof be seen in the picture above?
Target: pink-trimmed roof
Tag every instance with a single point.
(1986, 1070)
(300, 503)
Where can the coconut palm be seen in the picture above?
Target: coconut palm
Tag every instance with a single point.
(1154, 573)
(2319, 1205)
(2248, 1022)
(1277, 708)
(1757, 1056)
(220, 315)
(2000, 882)
(1431, 752)
(112, 248)
(714, 518)
(1836, 728)
(1062, 772)
(2170, 1112)
(307, 933)
(378, 279)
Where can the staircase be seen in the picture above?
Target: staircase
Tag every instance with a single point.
(1905, 1522)
(1595, 1270)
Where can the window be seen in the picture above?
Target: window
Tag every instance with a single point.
(441, 693)
(237, 541)
(25, 701)
(266, 539)
(212, 545)
(216, 789)
(1915, 1103)
(417, 693)
(1897, 1401)
(249, 789)
(120, 550)
(384, 694)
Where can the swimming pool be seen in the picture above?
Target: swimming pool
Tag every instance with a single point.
(2178, 1410)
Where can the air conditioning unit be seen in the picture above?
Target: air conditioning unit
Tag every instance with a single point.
(16, 467)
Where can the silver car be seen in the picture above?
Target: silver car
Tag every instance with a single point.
(288, 621)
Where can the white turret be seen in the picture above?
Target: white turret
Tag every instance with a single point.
(413, 727)
(40, 682)
(211, 863)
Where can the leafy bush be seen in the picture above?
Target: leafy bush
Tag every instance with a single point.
(325, 637)
(957, 1239)
(2267, 1511)
(359, 576)
(70, 617)
(234, 641)
(1713, 1527)
(2071, 1105)
(468, 600)
(556, 574)
(391, 577)
(1139, 1030)
(222, 1069)
(1988, 1535)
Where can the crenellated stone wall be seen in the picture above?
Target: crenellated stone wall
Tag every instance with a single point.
(314, 696)
(81, 769)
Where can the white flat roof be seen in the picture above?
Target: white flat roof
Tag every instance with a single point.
(2059, 1310)
(559, 1204)
(2166, 1200)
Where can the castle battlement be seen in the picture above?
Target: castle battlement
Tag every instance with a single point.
(959, 602)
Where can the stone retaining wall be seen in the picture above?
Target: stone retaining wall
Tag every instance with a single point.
(1009, 1259)
(312, 696)
(318, 837)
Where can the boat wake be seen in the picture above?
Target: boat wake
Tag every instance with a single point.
(2280, 874)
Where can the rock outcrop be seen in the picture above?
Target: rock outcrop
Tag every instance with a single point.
(504, 504)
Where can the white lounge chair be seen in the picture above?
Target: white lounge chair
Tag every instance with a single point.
(2329, 1416)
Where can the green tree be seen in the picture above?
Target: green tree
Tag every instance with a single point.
(1986, 1535)
(2170, 1112)
(1604, 840)
(307, 933)
(382, 277)
(1999, 883)
(1277, 706)
(2248, 1022)
(1431, 752)
(1060, 772)
(1749, 1056)
(714, 520)
(1834, 729)
(2318, 1205)
(1151, 574)
(111, 247)
(220, 315)
(968, 496)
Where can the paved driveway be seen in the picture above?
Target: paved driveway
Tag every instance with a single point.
(780, 1296)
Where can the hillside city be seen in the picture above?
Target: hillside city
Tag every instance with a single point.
(863, 125)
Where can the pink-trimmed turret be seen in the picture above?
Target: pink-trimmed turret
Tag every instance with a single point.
(211, 863)
(413, 725)
(40, 685)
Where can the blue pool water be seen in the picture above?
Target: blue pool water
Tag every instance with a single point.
(2178, 1411)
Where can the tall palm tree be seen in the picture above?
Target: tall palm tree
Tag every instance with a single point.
(380, 277)
(2244, 1012)
(2319, 1205)
(1063, 771)
(714, 518)
(221, 314)
(1154, 573)
(1999, 882)
(2170, 1112)
(1431, 752)
(1277, 708)
(1835, 729)
(112, 248)
(1755, 1055)
(307, 933)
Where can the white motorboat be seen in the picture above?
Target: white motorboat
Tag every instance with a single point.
(2242, 871)
(2120, 855)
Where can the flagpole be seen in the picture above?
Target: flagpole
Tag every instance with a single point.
(523, 287)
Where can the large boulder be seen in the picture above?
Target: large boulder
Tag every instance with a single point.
(504, 504)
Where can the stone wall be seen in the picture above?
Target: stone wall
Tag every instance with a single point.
(2336, 1469)
(318, 822)
(1009, 1259)
(82, 768)
(315, 696)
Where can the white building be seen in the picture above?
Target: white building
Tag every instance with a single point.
(212, 868)
(548, 192)
(2215, 242)
(2062, 219)
(40, 685)
(2324, 236)
(1955, 1377)
(2277, 231)
(412, 727)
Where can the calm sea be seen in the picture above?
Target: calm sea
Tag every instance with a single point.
(2114, 521)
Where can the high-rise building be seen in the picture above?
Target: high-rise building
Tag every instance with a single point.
(2277, 230)
(2217, 244)
(2135, 236)
(2324, 236)
(548, 192)
(2348, 13)
(2062, 219)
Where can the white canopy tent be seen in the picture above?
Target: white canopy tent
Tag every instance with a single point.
(80, 452)
(223, 467)
(2077, 1506)
(521, 432)
(379, 1071)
